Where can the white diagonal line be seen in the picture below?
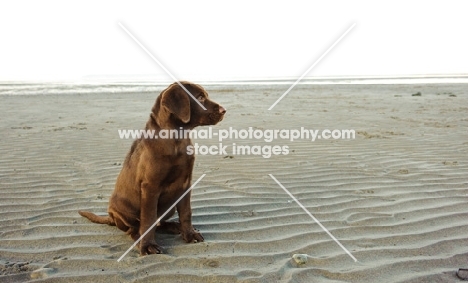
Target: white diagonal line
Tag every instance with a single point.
(159, 63)
(315, 219)
(313, 65)
(160, 218)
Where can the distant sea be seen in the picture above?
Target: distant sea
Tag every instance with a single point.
(90, 86)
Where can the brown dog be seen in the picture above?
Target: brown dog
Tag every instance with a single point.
(156, 172)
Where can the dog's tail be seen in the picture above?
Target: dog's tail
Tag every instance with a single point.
(95, 218)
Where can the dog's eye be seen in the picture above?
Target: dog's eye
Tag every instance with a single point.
(201, 98)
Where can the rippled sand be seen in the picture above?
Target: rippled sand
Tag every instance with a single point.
(396, 196)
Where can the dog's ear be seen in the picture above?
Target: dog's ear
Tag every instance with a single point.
(177, 102)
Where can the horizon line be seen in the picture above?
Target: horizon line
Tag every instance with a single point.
(147, 79)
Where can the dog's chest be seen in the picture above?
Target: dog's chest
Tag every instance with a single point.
(180, 147)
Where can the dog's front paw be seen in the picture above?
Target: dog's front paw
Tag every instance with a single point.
(192, 236)
(147, 248)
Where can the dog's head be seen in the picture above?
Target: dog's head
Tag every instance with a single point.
(176, 108)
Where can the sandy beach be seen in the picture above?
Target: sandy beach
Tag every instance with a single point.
(396, 196)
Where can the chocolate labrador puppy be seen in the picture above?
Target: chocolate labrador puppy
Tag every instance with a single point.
(156, 172)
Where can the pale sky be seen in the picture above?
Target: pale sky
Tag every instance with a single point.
(212, 40)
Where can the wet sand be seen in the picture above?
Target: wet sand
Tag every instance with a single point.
(395, 196)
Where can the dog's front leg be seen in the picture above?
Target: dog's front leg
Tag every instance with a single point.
(148, 216)
(189, 234)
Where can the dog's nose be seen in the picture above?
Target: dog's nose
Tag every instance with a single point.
(222, 110)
